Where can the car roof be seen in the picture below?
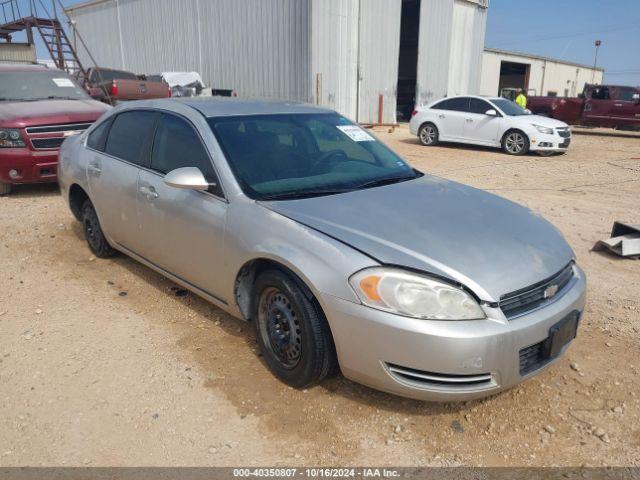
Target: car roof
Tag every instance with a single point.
(221, 106)
(24, 67)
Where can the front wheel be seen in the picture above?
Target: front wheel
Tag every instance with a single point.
(93, 232)
(5, 189)
(291, 330)
(428, 135)
(515, 142)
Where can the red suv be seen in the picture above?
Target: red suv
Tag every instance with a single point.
(39, 108)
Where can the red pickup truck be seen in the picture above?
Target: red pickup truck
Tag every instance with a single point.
(39, 108)
(113, 86)
(598, 106)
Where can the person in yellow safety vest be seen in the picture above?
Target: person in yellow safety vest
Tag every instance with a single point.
(521, 99)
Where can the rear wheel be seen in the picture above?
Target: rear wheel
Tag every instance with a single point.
(515, 142)
(291, 330)
(428, 134)
(93, 232)
(5, 189)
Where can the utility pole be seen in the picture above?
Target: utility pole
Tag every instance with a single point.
(595, 61)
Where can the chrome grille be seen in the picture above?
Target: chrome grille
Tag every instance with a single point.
(68, 127)
(564, 132)
(522, 301)
(429, 379)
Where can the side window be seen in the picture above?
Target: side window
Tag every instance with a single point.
(98, 136)
(458, 104)
(176, 145)
(600, 93)
(129, 135)
(626, 94)
(479, 106)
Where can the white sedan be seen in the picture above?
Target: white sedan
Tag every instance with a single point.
(492, 122)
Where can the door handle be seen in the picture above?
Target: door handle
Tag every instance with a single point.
(94, 168)
(150, 192)
(617, 104)
(441, 116)
(469, 119)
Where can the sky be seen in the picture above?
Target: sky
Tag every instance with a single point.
(564, 29)
(568, 29)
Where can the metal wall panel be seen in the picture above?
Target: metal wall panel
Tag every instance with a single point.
(378, 66)
(260, 48)
(334, 54)
(467, 45)
(17, 53)
(98, 26)
(434, 49)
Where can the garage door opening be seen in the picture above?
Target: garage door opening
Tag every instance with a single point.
(513, 77)
(408, 60)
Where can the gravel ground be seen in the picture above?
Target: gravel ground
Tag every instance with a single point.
(102, 364)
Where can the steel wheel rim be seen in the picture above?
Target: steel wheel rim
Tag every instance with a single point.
(514, 142)
(90, 231)
(428, 134)
(280, 327)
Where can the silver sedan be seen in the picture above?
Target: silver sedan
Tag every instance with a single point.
(338, 252)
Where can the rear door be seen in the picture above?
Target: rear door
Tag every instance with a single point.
(183, 230)
(451, 116)
(479, 127)
(112, 170)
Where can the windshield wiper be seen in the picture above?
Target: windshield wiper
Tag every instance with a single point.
(306, 193)
(385, 181)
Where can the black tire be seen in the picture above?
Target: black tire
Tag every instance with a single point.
(5, 189)
(428, 134)
(291, 330)
(93, 232)
(515, 142)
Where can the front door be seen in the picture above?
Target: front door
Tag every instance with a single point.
(479, 127)
(113, 166)
(598, 107)
(626, 109)
(184, 230)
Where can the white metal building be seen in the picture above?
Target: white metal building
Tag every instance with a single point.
(539, 75)
(340, 53)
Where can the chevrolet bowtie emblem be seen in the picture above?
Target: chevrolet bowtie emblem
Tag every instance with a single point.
(550, 291)
(71, 133)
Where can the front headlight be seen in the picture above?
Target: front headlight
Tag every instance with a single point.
(11, 138)
(406, 293)
(542, 129)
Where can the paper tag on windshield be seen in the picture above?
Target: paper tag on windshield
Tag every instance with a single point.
(63, 82)
(355, 133)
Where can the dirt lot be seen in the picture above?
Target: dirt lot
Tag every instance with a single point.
(102, 364)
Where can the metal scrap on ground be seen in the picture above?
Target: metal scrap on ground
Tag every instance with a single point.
(624, 241)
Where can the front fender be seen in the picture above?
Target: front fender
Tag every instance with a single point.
(324, 264)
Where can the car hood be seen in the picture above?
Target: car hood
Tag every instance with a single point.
(42, 112)
(490, 244)
(540, 120)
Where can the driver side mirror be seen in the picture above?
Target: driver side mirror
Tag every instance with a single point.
(491, 112)
(635, 98)
(190, 178)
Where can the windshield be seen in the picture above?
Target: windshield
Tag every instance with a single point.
(301, 155)
(39, 85)
(508, 107)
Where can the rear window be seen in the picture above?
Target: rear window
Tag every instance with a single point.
(129, 135)
(110, 75)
